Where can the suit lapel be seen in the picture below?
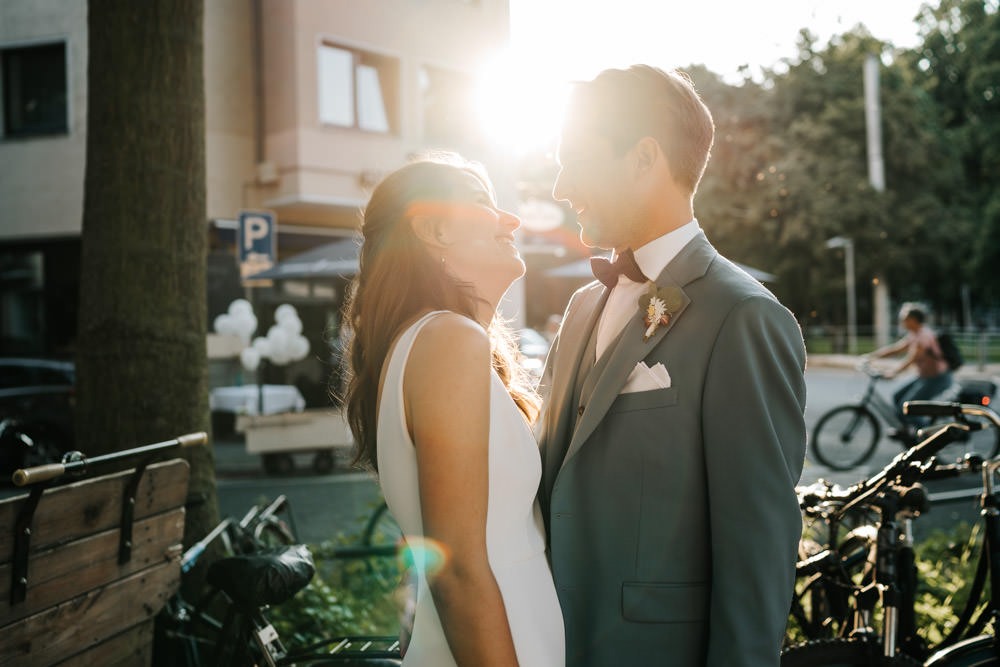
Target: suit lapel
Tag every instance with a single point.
(691, 263)
(573, 338)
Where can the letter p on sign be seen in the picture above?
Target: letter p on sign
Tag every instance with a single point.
(256, 228)
(256, 237)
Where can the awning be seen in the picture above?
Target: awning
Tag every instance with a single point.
(581, 269)
(330, 260)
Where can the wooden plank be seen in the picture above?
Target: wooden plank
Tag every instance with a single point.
(65, 571)
(88, 620)
(69, 512)
(132, 648)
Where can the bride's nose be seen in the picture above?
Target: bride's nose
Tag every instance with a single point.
(509, 220)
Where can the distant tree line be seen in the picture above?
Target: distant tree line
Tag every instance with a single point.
(789, 168)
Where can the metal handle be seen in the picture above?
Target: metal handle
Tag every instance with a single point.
(193, 439)
(41, 473)
(36, 474)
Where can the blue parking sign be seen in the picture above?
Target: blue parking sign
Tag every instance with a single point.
(256, 241)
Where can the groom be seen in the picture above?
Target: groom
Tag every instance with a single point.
(673, 435)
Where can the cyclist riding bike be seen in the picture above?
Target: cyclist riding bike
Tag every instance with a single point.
(923, 352)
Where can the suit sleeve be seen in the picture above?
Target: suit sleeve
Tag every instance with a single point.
(754, 439)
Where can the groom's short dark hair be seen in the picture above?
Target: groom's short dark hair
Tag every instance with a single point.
(627, 105)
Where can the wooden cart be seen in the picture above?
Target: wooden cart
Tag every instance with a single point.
(281, 438)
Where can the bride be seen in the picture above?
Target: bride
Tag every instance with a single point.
(441, 410)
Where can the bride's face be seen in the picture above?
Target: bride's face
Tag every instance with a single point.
(478, 239)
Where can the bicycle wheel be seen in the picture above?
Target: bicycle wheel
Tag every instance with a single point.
(845, 437)
(381, 528)
(975, 652)
(842, 653)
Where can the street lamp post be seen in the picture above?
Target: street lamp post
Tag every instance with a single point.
(852, 308)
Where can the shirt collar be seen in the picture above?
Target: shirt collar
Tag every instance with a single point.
(653, 257)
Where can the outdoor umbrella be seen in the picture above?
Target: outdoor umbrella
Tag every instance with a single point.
(339, 258)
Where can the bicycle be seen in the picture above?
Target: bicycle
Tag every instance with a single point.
(890, 576)
(185, 631)
(847, 435)
(976, 648)
(846, 581)
(264, 568)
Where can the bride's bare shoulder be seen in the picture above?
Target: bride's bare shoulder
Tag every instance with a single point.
(450, 342)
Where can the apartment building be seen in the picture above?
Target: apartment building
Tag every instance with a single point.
(308, 104)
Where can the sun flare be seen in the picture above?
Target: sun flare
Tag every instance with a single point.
(518, 103)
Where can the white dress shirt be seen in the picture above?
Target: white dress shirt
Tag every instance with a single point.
(623, 302)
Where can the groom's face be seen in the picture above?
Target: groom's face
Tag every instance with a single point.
(597, 183)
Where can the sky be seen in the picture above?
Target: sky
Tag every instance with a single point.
(582, 37)
(553, 42)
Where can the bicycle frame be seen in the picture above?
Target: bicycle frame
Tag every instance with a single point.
(877, 403)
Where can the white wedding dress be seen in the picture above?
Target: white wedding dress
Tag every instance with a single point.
(515, 541)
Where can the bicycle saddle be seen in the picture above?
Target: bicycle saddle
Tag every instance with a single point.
(268, 577)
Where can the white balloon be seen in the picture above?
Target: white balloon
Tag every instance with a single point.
(262, 345)
(224, 324)
(293, 325)
(246, 324)
(280, 357)
(250, 358)
(283, 311)
(300, 348)
(239, 307)
(278, 338)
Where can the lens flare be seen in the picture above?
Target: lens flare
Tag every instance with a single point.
(423, 554)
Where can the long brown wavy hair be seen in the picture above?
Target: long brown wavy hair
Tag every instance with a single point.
(398, 278)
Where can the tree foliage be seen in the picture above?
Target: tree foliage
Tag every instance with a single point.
(790, 169)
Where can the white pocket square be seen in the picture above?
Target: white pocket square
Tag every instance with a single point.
(644, 378)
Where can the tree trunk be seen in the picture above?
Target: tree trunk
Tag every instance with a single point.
(141, 355)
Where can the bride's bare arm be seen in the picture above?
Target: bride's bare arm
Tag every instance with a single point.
(446, 391)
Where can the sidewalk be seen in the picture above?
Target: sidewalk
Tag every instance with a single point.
(850, 361)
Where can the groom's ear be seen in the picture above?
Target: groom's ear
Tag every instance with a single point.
(431, 230)
(645, 155)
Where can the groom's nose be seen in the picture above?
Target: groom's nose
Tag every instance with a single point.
(561, 189)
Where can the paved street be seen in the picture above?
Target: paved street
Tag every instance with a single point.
(327, 505)
(339, 503)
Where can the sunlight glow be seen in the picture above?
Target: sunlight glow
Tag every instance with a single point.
(519, 102)
(582, 37)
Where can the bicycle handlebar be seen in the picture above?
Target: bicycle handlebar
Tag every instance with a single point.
(865, 366)
(857, 493)
(948, 409)
(49, 471)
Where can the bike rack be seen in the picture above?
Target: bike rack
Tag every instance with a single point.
(22, 545)
(128, 513)
(76, 465)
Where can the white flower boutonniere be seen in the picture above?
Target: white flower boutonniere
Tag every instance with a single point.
(656, 306)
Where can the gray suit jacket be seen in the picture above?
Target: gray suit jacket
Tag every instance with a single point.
(672, 518)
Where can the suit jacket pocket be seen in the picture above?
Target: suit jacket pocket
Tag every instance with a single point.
(645, 400)
(664, 603)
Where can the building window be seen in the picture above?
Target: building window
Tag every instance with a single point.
(34, 90)
(448, 105)
(358, 89)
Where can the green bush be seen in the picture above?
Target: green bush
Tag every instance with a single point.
(946, 566)
(346, 597)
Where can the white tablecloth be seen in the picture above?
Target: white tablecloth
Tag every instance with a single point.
(243, 400)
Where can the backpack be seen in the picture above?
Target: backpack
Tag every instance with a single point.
(949, 351)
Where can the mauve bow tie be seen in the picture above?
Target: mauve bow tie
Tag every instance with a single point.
(607, 271)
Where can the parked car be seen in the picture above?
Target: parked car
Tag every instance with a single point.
(36, 406)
